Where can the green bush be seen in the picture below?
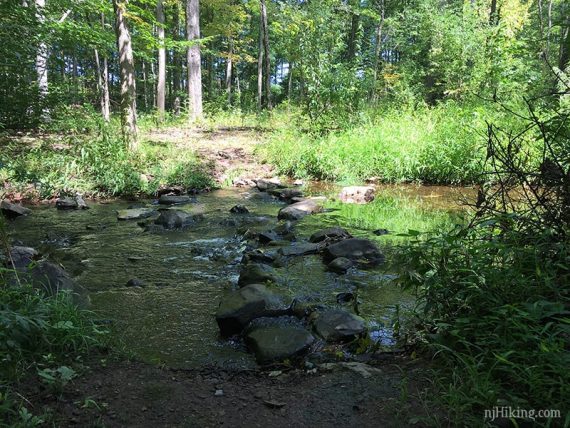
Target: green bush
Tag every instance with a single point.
(493, 305)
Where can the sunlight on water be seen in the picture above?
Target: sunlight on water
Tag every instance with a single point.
(186, 272)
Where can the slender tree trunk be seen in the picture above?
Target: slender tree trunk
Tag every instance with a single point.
(210, 74)
(229, 70)
(290, 83)
(42, 55)
(564, 57)
(378, 49)
(106, 101)
(260, 70)
(493, 15)
(103, 77)
(194, 59)
(267, 58)
(549, 28)
(177, 63)
(238, 87)
(161, 82)
(354, 22)
(74, 75)
(100, 87)
(145, 86)
(154, 86)
(127, 73)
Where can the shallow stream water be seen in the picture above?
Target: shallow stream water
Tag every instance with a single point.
(187, 272)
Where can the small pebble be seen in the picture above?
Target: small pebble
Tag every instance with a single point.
(219, 392)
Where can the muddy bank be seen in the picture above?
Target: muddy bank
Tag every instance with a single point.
(134, 394)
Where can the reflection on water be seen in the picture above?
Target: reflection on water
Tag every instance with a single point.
(186, 273)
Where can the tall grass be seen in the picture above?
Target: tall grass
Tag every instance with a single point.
(444, 144)
(99, 165)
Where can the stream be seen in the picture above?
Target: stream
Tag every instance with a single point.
(187, 272)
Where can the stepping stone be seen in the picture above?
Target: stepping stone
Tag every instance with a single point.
(135, 213)
(174, 199)
(240, 307)
(299, 210)
(355, 249)
(13, 210)
(276, 339)
(337, 325)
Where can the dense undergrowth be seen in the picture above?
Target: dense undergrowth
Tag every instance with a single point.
(443, 144)
(41, 337)
(494, 296)
(93, 160)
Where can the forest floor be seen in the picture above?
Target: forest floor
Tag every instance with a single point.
(135, 394)
(228, 151)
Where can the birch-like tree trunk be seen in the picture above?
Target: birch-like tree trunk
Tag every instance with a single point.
(229, 64)
(42, 54)
(102, 85)
(260, 68)
(161, 81)
(127, 74)
(267, 59)
(177, 62)
(194, 59)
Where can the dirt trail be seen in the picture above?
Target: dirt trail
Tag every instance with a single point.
(133, 394)
(228, 151)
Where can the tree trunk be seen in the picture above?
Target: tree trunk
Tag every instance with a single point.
(267, 59)
(564, 57)
(177, 63)
(102, 86)
(145, 87)
(290, 83)
(354, 22)
(153, 92)
(161, 82)
(260, 70)
(229, 70)
(127, 73)
(238, 88)
(194, 66)
(103, 75)
(378, 48)
(106, 101)
(42, 54)
(493, 15)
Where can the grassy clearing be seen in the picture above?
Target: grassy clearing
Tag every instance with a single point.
(97, 164)
(445, 144)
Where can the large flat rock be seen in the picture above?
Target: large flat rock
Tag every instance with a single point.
(363, 251)
(276, 339)
(11, 210)
(337, 325)
(299, 210)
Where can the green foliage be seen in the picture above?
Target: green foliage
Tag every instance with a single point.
(100, 165)
(431, 145)
(42, 334)
(33, 327)
(494, 307)
(493, 296)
